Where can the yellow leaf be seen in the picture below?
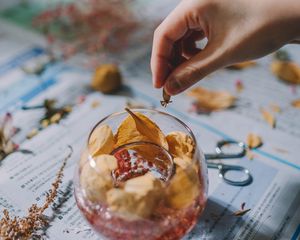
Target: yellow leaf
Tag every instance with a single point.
(184, 186)
(269, 118)
(253, 140)
(101, 141)
(296, 103)
(137, 127)
(287, 71)
(180, 144)
(208, 100)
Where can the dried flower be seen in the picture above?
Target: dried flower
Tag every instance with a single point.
(240, 213)
(209, 101)
(14, 228)
(7, 131)
(166, 99)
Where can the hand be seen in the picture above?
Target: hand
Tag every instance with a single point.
(236, 30)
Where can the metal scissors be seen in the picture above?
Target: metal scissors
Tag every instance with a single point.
(224, 169)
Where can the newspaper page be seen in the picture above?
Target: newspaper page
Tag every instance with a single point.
(273, 196)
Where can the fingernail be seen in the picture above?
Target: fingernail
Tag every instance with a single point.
(173, 86)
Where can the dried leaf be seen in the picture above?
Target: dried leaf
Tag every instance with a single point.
(240, 213)
(269, 118)
(212, 100)
(180, 144)
(253, 141)
(95, 177)
(137, 127)
(166, 99)
(184, 186)
(101, 141)
(296, 103)
(287, 71)
(242, 65)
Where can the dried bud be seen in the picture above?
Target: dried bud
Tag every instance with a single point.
(166, 99)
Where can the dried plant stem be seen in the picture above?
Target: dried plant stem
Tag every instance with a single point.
(14, 228)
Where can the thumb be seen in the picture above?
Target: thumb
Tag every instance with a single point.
(194, 69)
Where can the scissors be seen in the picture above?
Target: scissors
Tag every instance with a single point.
(225, 168)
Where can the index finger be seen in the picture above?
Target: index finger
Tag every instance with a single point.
(168, 32)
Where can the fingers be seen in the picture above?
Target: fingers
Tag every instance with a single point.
(194, 69)
(169, 31)
(189, 47)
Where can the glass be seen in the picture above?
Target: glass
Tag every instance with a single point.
(165, 212)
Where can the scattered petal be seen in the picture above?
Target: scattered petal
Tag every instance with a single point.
(208, 101)
(254, 141)
(95, 104)
(269, 118)
(287, 71)
(240, 213)
(242, 65)
(275, 108)
(239, 86)
(296, 103)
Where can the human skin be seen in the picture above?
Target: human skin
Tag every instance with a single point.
(236, 30)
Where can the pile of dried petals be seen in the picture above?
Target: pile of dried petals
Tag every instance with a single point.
(209, 101)
(14, 228)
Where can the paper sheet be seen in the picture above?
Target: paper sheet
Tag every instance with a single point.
(273, 196)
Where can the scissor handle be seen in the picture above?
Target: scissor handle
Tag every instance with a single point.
(223, 169)
(222, 143)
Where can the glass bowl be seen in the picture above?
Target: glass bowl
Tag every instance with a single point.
(130, 185)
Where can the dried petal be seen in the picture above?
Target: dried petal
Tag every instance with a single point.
(239, 86)
(287, 71)
(138, 198)
(250, 155)
(240, 213)
(212, 100)
(180, 144)
(95, 104)
(101, 141)
(95, 177)
(184, 186)
(296, 103)
(242, 65)
(137, 127)
(269, 118)
(253, 141)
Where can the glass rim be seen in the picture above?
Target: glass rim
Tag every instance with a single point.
(143, 110)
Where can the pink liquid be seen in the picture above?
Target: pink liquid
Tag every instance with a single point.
(165, 223)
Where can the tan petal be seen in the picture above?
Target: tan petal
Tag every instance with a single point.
(184, 186)
(208, 100)
(253, 140)
(269, 118)
(287, 71)
(242, 65)
(137, 127)
(296, 103)
(180, 144)
(96, 179)
(101, 141)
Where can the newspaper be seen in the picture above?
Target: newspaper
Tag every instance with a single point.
(273, 196)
